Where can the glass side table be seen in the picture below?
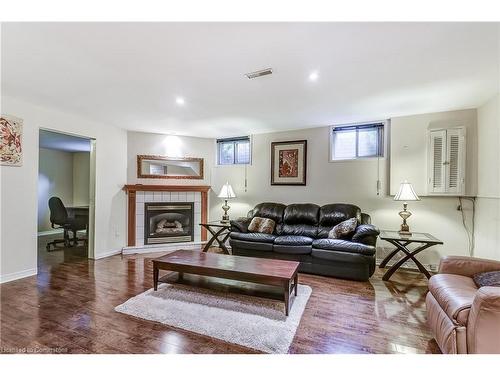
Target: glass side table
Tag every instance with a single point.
(218, 230)
(401, 243)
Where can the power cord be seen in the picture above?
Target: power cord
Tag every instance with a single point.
(470, 233)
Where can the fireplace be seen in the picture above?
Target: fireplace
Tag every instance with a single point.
(168, 222)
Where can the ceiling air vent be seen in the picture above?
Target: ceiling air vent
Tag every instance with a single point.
(259, 73)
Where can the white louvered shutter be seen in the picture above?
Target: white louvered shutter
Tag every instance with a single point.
(447, 161)
(437, 158)
(455, 161)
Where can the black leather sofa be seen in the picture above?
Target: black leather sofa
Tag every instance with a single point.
(301, 234)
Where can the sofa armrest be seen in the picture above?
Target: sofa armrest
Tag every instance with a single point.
(466, 266)
(366, 234)
(240, 225)
(483, 325)
(365, 218)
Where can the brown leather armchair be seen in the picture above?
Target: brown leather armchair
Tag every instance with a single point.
(464, 318)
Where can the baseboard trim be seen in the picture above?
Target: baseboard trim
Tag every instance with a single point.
(17, 275)
(107, 254)
(49, 232)
(162, 247)
(56, 231)
(409, 265)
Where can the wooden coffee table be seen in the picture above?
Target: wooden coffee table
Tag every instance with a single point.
(274, 272)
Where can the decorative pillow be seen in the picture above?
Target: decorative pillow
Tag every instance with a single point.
(487, 279)
(343, 229)
(261, 225)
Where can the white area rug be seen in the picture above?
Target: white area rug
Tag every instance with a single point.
(254, 322)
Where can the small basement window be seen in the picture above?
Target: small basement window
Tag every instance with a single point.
(233, 151)
(357, 141)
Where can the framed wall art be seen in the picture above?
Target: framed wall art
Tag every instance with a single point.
(289, 163)
(11, 131)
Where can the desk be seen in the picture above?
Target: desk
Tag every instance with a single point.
(80, 212)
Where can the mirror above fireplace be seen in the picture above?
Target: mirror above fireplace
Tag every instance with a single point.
(154, 166)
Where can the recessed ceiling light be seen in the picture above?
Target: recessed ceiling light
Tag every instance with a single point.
(180, 101)
(313, 76)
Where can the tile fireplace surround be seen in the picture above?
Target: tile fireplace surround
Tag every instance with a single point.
(139, 194)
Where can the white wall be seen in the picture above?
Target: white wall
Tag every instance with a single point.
(55, 179)
(327, 182)
(409, 147)
(169, 145)
(19, 187)
(341, 181)
(487, 224)
(81, 178)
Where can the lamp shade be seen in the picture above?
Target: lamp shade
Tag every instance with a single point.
(406, 193)
(227, 192)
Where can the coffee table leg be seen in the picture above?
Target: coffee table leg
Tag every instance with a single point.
(286, 292)
(296, 282)
(156, 272)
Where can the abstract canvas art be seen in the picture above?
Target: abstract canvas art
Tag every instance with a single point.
(11, 131)
(288, 162)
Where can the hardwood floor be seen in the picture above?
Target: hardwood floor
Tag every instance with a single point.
(68, 308)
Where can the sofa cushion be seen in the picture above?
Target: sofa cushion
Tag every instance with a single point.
(342, 258)
(455, 294)
(300, 220)
(261, 225)
(343, 246)
(292, 245)
(270, 211)
(292, 249)
(304, 213)
(297, 230)
(491, 278)
(293, 240)
(258, 247)
(253, 237)
(344, 229)
(333, 214)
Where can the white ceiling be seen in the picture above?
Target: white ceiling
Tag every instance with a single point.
(130, 74)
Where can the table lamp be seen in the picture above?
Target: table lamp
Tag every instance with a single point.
(226, 193)
(405, 193)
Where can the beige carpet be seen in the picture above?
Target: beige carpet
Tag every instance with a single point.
(254, 322)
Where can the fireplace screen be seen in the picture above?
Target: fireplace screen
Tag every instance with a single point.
(168, 222)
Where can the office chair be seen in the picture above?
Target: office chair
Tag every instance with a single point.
(59, 219)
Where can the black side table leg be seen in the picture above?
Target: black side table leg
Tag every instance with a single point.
(391, 255)
(211, 240)
(409, 255)
(222, 243)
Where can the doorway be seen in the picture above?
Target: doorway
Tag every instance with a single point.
(66, 189)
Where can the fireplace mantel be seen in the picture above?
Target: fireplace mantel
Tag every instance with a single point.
(141, 187)
(132, 189)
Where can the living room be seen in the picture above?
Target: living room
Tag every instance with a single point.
(253, 189)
